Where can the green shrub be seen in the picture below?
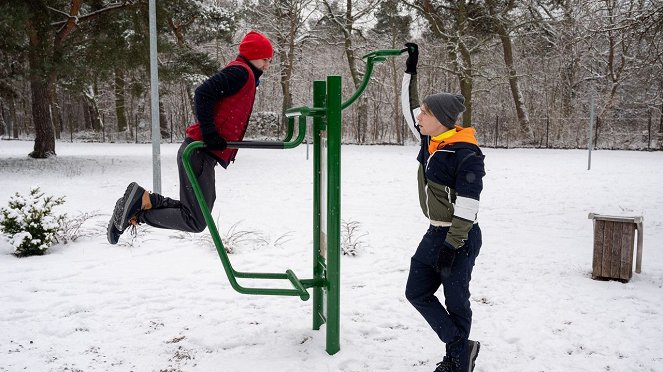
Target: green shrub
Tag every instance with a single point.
(30, 223)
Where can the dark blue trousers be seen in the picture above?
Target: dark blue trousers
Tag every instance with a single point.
(185, 214)
(451, 322)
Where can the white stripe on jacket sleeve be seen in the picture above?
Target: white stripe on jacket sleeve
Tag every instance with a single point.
(466, 208)
(409, 112)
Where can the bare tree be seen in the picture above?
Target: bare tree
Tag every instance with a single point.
(345, 20)
(394, 26)
(613, 53)
(290, 35)
(499, 12)
(561, 29)
(449, 22)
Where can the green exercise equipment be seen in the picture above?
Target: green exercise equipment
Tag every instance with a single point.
(326, 132)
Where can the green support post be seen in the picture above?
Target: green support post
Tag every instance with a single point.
(319, 257)
(333, 212)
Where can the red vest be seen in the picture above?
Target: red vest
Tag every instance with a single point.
(231, 115)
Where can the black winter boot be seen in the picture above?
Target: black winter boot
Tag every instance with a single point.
(448, 364)
(128, 206)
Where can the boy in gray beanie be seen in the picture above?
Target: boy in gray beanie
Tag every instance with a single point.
(450, 176)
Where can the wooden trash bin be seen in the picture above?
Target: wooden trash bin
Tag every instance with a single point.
(613, 247)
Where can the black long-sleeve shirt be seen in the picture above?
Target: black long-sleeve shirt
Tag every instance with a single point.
(224, 83)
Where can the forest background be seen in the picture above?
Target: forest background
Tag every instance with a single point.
(532, 71)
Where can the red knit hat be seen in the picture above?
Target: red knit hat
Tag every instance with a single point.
(255, 46)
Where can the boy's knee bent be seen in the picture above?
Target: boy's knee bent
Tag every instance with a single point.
(414, 297)
(196, 225)
(198, 228)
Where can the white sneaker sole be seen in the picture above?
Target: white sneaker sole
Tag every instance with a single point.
(474, 353)
(122, 207)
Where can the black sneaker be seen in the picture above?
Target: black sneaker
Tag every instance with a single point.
(448, 364)
(472, 353)
(112, 233)
(127, 206)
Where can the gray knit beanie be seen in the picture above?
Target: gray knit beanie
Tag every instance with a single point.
(446, 107)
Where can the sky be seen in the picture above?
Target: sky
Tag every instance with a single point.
(162, 302)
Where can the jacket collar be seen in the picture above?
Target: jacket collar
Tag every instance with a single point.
(256, 72)
(454, 135)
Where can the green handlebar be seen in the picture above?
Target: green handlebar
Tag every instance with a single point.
(380, 54)
(371, 58)
(303, 294)
(288, 143)
(305, 111)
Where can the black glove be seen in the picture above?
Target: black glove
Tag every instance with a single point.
(412, 58)
(214, 142)
(445, 259)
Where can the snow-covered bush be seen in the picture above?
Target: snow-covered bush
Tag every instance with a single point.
(30, 223)
(72, 227)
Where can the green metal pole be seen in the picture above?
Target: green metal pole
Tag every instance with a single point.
(333, 212)
(319, 95)
(290, 130)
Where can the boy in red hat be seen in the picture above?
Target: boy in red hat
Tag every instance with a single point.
(223, 106)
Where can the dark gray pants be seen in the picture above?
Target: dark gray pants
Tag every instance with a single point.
(184, 214)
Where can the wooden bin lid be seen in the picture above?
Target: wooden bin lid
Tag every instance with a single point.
(600, 217)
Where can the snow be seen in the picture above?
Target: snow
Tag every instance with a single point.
(163, 302)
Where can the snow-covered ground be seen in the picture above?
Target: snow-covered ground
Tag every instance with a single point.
(163, 302)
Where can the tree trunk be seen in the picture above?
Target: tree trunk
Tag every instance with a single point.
(397, 122)
(14, 121)
(178, 31)
(570, 66)
(9, 118)
(56, 113)
(465, 70)
(616, 64)
(362, 109)
(4, 127)
(163, 121)
(120, 111)
(41, 79)
(568, 74)
(41, 116)
(87, 117)
(286, 57)
(466, 80)
(90, 100)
